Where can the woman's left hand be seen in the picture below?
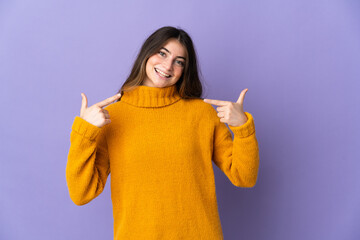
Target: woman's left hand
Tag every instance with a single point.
(231, 113)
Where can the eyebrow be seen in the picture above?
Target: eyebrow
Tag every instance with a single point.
(170, 52)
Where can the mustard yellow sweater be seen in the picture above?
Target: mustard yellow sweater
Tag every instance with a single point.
(159, 150)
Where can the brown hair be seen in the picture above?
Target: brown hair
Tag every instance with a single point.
(189, 84)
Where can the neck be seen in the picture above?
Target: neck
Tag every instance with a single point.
(145, 96)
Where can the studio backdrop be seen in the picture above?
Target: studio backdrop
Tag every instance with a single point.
(299, 60)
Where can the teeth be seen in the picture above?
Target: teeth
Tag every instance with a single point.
(162, 73)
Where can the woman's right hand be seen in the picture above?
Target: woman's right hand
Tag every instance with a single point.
(95, 114)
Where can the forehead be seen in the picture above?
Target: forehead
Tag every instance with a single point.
(175, 48)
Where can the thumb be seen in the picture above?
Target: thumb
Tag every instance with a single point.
(242, 96)
(84, 103)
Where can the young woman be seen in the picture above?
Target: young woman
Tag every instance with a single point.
(159, 146)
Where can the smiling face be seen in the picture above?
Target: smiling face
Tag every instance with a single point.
(165, 67)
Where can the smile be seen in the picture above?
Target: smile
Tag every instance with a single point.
(162, 73)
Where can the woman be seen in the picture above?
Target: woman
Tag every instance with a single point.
(159, 146)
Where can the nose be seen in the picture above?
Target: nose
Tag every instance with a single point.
(167, 64)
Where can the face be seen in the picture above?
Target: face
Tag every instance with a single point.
(165, 67)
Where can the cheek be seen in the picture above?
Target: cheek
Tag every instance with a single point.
(179, 71)
(154, 60)
(147, 68)
(149, 65)
(151, 62)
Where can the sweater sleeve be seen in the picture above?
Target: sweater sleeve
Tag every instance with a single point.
(88, 164)
(237, 157)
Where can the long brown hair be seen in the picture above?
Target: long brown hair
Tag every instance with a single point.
(189, 84)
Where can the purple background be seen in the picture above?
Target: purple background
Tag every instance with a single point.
(300, 61)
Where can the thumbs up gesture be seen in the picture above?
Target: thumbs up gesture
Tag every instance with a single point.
(95, 114)
(231, 113)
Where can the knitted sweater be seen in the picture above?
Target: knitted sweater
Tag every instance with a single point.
(159, 149)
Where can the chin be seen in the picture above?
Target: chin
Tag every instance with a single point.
(155, 82)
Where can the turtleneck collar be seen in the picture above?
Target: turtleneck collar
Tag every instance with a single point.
(145, 96)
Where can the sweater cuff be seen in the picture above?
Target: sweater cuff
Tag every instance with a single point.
(246, 129)
(85, 128)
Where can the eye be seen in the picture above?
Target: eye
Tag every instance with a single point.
(162, 53)
(181, 63)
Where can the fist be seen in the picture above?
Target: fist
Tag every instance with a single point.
(95, 114)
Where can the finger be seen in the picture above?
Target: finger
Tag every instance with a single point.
(221, 109)
(107, 115)
(108, 100)
(83, 103)
(242, 96)
(221, 114)
(216, 102)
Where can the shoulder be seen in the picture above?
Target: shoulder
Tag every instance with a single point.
(113, 106)
(115, 110)
(205, 109)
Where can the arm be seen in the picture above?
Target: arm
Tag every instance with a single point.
(88, 164)
(238, 158)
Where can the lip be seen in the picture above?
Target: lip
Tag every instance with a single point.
(162, 71)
